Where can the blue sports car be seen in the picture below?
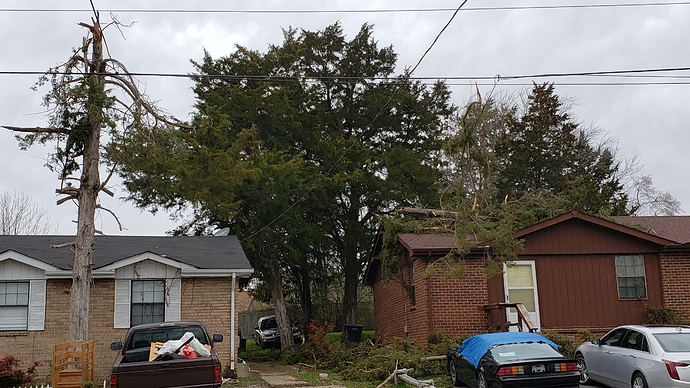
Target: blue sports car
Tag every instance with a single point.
(511, 360)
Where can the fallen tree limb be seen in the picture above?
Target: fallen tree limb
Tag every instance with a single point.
(434, 358)
(389, 378)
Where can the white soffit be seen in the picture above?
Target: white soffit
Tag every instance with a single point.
(16, 256)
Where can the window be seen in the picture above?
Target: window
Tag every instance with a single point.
(636, 341)
(14, 305)
(148, 301)
(613, 338)
(413, 292)
(631, 278)
(136, 301)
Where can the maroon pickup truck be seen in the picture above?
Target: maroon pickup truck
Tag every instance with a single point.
(132, 368)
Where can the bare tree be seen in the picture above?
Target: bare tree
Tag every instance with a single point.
(89, 93)
(19, 216)
(645, 200)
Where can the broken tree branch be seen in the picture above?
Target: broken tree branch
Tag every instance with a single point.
(389, 378)
(36, 129)
(427, 212)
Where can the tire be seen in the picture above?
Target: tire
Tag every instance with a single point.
(638, 381)
(454, 379)
(481, 380)
(582, 367)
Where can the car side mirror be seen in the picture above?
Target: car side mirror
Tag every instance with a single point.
(217, 338)
(595, 342)
(116, 346)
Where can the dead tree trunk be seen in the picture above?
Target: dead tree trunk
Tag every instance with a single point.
(90, 186)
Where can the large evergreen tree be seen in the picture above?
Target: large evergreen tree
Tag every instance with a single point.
(546, 150)
(303, 147)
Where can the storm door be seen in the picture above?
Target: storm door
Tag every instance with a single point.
(520, 282)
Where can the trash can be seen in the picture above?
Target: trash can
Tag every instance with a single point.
(353, 332)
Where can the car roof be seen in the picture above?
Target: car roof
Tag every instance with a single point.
(656, 329)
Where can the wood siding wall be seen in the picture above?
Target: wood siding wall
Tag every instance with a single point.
(576, 276)
(581, 291)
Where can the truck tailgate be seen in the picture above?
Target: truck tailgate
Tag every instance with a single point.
(183, 373)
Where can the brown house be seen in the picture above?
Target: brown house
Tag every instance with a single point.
(135, 280)
(576, 271)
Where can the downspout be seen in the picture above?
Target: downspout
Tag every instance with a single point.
(232, 323)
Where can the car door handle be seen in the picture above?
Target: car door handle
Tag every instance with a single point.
(165, 366)
(633, 356)
(608, 352)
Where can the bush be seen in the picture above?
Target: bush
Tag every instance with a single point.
(564, 342)
(586, 335)
(12, 376)
(663, 316)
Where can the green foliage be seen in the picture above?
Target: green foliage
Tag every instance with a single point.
(12, 376)
(255, 354)
(92, 384)
(586, 334)
(299, 168)
(663, 316)
(545, 149)
(564, 342)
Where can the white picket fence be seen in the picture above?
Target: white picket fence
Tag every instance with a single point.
(35, 386)
(49, 386)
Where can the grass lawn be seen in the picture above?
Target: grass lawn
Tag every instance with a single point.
(272, 359)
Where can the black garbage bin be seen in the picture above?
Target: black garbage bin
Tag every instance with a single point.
(353, 332)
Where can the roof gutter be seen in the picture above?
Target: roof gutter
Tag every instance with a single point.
(185, 273)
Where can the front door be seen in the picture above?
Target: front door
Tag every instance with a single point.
(520, 280)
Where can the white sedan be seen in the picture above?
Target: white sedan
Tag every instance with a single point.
(638, 357)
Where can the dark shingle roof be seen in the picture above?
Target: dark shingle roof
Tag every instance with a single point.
(428, 242)
(674, 228)
(205, 252)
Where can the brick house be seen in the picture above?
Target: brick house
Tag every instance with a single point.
(135, 279)
(576, 271)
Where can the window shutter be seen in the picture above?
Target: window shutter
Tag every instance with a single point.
(123, 297)
(173, 301)
(37, 305)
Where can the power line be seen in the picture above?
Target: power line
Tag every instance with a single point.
(347, 11)
(376, 116)
(630, 73)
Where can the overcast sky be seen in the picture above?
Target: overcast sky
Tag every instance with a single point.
(646, 115)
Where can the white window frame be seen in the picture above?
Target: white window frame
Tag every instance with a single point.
(643, 276)
(15, 267)
(146, 270)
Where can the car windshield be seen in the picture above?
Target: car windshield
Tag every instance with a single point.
(143, 338)
(674, 342)
(522, 351)
(269, 324)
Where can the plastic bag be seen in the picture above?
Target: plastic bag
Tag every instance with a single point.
(174, 346)
(188, 352)
(199, 348)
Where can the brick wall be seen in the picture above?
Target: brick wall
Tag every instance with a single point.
(457, 303)
(675, 278)
(205, 300)
(451, 305)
